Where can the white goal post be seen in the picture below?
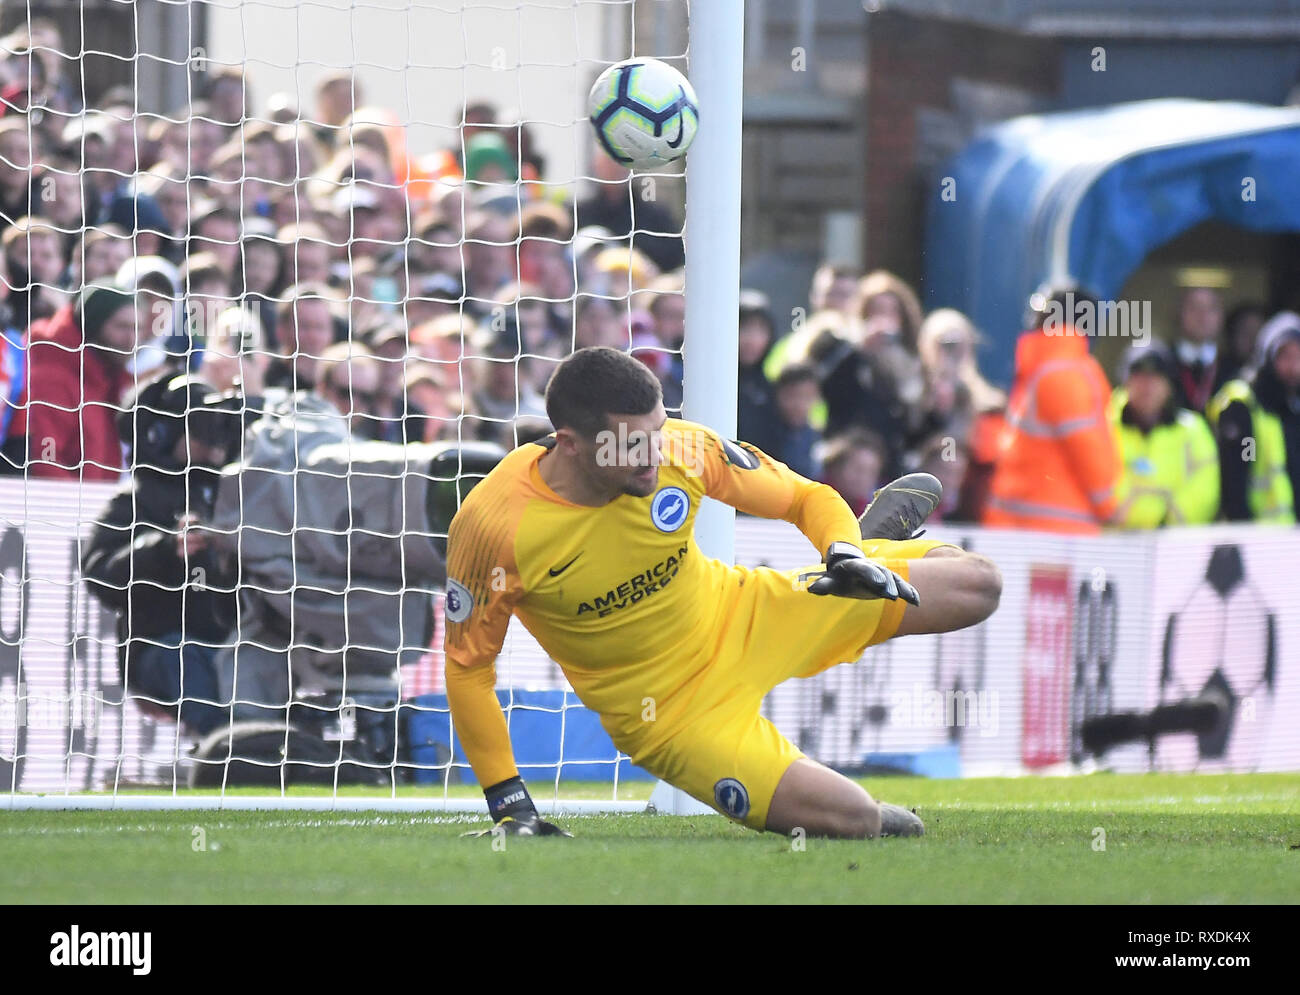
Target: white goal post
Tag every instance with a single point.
(71, 736)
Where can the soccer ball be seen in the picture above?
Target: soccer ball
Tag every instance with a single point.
(644, 112)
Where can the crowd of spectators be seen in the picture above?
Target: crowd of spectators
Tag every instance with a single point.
(222, 250)
(291, 248)
(428, 297)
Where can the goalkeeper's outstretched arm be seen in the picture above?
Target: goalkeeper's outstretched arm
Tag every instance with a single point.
(481, 727)
(482, 588)
(749, 480)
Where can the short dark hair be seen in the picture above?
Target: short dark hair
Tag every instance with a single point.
(839, 447)
(597, 382)
(796, 373)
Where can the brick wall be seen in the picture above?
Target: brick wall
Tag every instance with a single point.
(912, 64)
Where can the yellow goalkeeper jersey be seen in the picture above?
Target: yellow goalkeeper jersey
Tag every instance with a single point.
(618, 595)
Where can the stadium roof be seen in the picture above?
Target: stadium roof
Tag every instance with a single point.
(1087, 195)
(1265, 20)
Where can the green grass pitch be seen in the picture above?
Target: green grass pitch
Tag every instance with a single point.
(1167, 838)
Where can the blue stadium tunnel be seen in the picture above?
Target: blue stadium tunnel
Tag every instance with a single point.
(1087, 195)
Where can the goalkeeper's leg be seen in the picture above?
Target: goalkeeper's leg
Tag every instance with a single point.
(956, 589)
(821, 802)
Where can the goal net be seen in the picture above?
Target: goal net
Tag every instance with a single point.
(282, 282)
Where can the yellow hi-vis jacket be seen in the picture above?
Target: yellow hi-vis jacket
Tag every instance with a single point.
(1271, 499)
(1170, 475)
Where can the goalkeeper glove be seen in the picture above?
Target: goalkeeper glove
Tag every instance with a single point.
(514, 813)
(850, 574)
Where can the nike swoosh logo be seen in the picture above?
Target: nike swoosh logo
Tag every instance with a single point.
(556, 571)
(674, 142)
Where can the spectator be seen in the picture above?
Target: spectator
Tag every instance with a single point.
(1170, 463)
(873, 376)
(588, 244)
(796, 394)
(1058, 463)
(528, 319)
(89, 142)
(961, 405)
(1240, 334)
(434, 247)
(756, 418)
(142, 219)
(13, 363)
(490, 259)
(56, 196)
(396, 418)
(526, 305)
(307, 253)
(227, 96)
(304, 329)
(377, 129)
(207, 294)
(234, 354)
(189, 144)
(129, 144)
(257, 277)
(666, 303)
(98, 255)
(299, 151)
(16, 198)
(614, 208)
(853, 462)
(145, 551)
(642, 344)
(1257, 423)
(475, 118)
(230, 185)
(543, 232)
(595, 323)
(34, 258)
(347, 376)
(379, 226)
(523, 146)
(368, 303)
(338, 95)
(218, 231)
(946, 458)
(834, 288)
(157, 284)
(444, 342)
(489, 161)
(624, 271)
(442, 409)
(76, 364)
(500, 398)
(1200, 325)
(264, 160)
(433, 296)
(170, 192)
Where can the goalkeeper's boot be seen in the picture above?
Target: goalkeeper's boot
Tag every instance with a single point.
(898, 821)
(901, 507)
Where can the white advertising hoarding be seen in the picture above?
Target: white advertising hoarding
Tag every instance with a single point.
(1087, 626)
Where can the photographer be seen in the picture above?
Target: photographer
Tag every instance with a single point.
(148, 562)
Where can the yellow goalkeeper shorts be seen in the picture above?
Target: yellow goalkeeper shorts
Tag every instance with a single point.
(725, 753)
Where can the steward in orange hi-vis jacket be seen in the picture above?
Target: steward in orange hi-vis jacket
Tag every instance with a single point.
(1059, 461)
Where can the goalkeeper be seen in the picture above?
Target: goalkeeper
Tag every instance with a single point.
(587, 536)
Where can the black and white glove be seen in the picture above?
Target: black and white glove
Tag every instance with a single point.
(514, 813)
(850, 574)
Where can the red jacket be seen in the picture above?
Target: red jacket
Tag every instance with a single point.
(1059, 459)
(73, 397)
